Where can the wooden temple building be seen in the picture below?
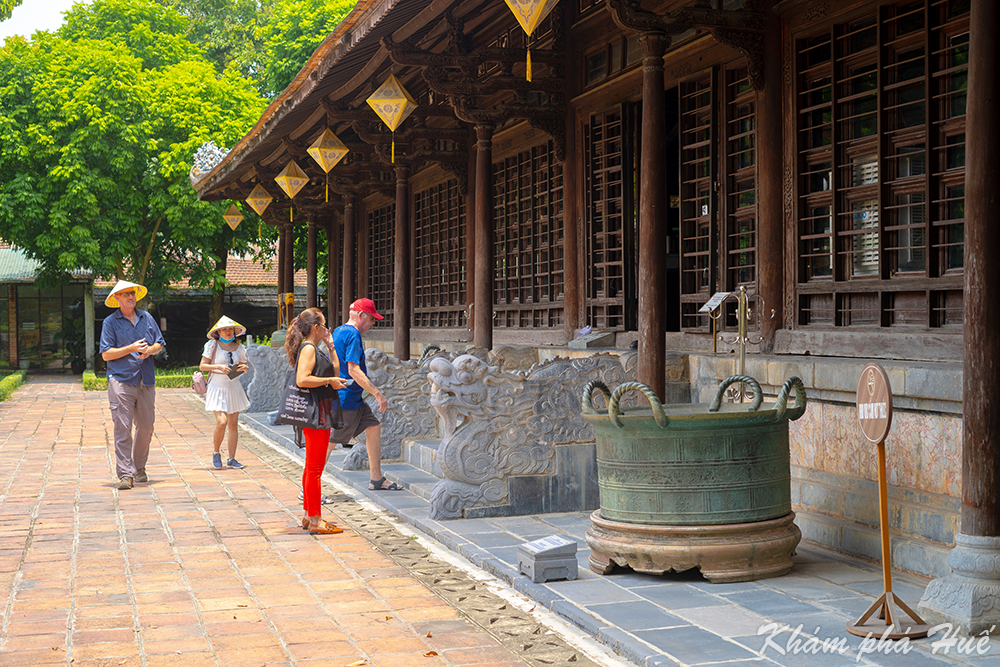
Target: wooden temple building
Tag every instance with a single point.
(831, 157)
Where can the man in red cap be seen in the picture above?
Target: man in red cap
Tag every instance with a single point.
(357, 415)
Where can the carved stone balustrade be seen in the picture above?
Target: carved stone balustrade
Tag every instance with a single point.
(514, 442)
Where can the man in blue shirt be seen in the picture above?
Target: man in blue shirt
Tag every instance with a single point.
(129, 339)
(357, 415)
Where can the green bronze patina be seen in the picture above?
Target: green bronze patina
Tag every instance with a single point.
(694, 464)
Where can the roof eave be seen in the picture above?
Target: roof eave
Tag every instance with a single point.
(336, 45)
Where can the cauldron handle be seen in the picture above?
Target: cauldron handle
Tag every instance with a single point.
(654, 401)
(758, 395)
(781, 402)
(587, 405)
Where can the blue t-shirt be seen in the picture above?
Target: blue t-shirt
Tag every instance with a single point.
(118, 331)
(347, 343)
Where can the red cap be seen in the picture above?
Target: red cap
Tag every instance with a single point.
(366, 306)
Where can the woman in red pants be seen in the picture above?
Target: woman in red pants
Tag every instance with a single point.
(318, 372)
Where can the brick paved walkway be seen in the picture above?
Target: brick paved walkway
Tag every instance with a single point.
(198, 567)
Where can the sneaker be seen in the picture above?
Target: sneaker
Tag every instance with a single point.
(141, 476)
(233, 463)
(124, 483)
(217, 461)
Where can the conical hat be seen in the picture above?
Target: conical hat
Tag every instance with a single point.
(223, 323)
(121, 286)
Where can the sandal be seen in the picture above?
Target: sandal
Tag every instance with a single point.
(325, 528)
(305, 522)
(377, 485)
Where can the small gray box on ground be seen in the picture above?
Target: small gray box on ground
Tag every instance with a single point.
(552, 557)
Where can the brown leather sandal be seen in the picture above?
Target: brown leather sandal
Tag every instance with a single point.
(325, 528)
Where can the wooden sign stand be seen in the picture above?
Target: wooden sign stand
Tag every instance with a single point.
(874, 403)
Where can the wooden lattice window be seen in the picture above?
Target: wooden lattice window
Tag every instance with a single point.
(612, 223)
(741, 178)
(698, 172)
(881, 168)
(381, 262)
(439, 261)
(528, 239)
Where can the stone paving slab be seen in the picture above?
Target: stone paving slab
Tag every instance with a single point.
(682, 619)
(209, 567)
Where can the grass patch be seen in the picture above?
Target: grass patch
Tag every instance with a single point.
(168, 379)
(10, 384)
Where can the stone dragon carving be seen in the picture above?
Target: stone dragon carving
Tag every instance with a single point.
(495, 424)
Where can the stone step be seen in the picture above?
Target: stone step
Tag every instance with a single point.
(422, 454)
(418, 482)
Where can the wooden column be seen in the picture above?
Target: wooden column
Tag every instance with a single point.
(483, 309)
(401, 287)
(332, 275)
(348, 268)
(652, 218)
(281, 258)
(470, 233)
(311, 279)
(770, 217)
(967, 597)
(282, 241)
(981, 392)
(289, 267)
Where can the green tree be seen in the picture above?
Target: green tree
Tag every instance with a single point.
(291, 35)
(7, 8)
(229, 31)
(98, 125)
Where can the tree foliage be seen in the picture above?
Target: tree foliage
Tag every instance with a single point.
(229, 31)
(7, 8)
(98, 125)
(291, 35)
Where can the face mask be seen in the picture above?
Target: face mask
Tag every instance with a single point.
(227, 340)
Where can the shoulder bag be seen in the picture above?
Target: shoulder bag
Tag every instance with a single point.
(199, 384)
(306, 407)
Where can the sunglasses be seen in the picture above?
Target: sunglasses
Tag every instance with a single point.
(230, 354)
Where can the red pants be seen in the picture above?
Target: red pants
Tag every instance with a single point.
(317, 442)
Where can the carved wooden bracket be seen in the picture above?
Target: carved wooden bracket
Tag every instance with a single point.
(751, 45)
(556, 129)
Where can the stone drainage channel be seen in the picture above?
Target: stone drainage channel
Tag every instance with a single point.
(534, 635)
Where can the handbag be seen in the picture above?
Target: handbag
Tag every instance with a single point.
(308, 408)
(198, 383)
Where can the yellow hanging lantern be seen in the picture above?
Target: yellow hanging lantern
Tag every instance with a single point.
(393, 104)
(529, 13)
(292, 179)
(233, 218)
(328, 150)
(259, 199)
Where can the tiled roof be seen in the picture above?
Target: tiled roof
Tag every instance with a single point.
(16, 267)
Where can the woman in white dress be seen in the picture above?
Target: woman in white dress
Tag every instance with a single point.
(223, 360)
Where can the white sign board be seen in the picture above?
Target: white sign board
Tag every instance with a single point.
(714, 302)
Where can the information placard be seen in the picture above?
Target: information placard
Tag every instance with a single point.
(714, 302)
